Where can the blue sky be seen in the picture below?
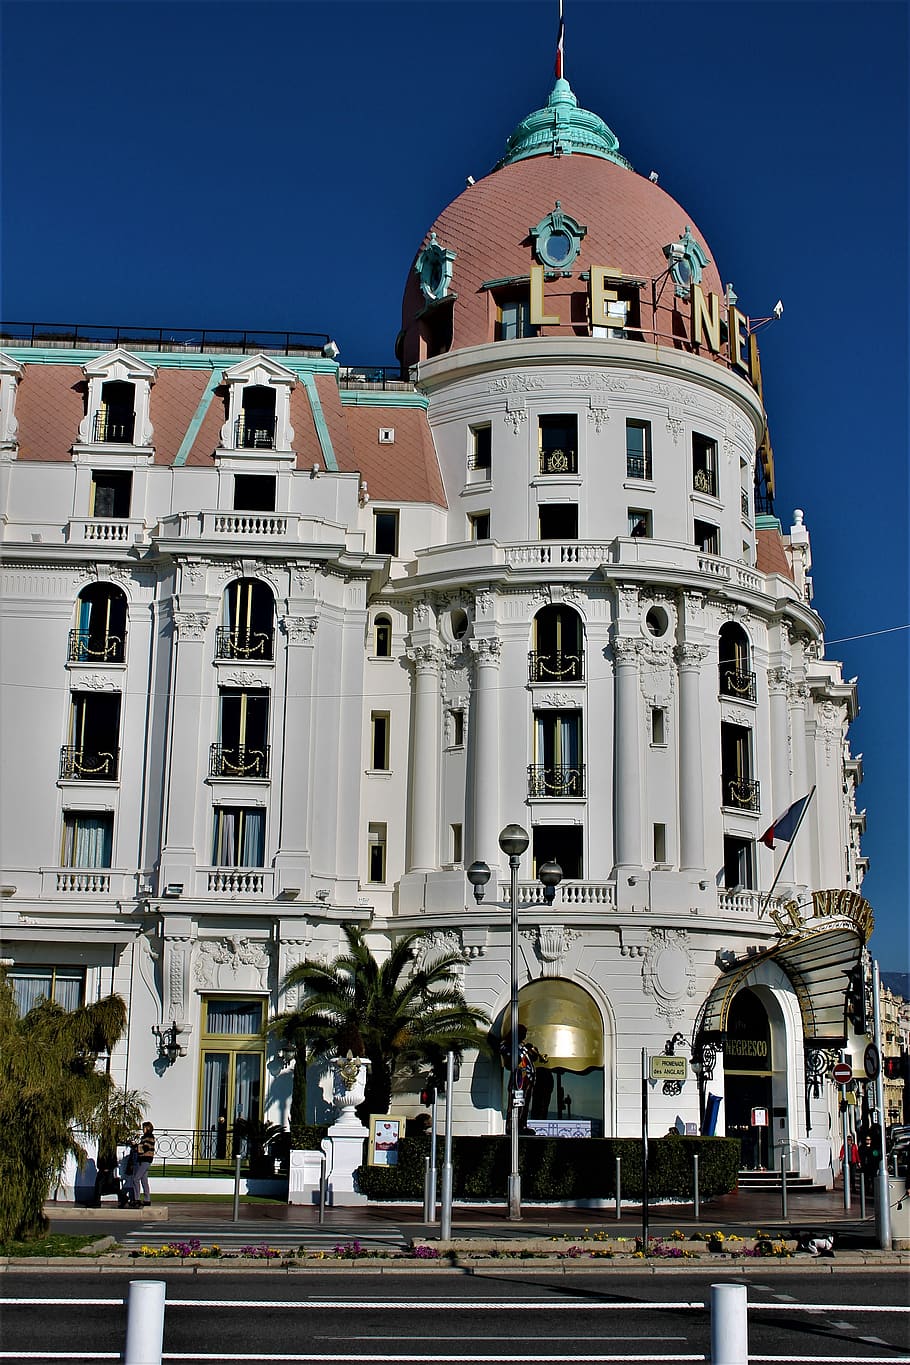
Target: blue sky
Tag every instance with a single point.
(276, 165)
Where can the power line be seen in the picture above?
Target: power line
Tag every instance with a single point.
(870, 634)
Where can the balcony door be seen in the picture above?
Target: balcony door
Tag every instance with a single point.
(557, 768)
(231, 1071)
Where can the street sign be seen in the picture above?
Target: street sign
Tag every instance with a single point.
(842, 1073)
(760, 1118)
(871, 1062)
(664, 1068)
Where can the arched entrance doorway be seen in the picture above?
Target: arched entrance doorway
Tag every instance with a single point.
(564, 1024)
(748, 1068)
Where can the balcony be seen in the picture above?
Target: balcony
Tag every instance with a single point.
(705, 481)
(245, 524)
(638, 466)
(740, 793)
(255, 431)
(238, 881)
(559, 461)
(239, 761)
(599, 894)
(88, 765)
(744, 503)
(83, 883)
(556, 667)
(88, 648)
(113, 427)
(558, 781)
(105, 531)
(733, 683)
(241, 644)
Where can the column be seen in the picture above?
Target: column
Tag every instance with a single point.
(484, 738)
(294, 753)
(626, 757)
(780, 797)
(187, 749)
(689, 659)
(424, 803)
(799, 866)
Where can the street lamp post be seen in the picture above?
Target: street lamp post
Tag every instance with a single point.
(513, 841)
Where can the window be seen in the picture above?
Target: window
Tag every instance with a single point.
(457, 849)
(30, 985)
(379, 741)
(513, 319)
(88, 839)
(457, 729)
(704, 465)
(558, 653)
(638, 450)
(658, 726)
(660, 843)
(99, 637)
(254, 492)
(738, 864)
(382, 637)
(115, 419)
(93, 751)
(740, 792)
(707, 537)
(563, 844)
(247, 621)
(558, 521)
(481, 448)
(256, 423)
(376, 852)
(557, 443)
(736, 677)
(385, 533)
(232, 1064)
(242, 749)
(640, 522)
(557, 769)
(111, 493)
(479, 525)
(239, 837)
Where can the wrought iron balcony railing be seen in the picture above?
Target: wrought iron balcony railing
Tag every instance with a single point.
(705, 481)
(733, 683)
(561, 780)
(638, 466)
(242, 644)
(556, 666)
(740, 793)
(113, 426)
(92, 765)
(239, 760)
(744, 502)
(558, 461)
(255, 432)
(85, 647)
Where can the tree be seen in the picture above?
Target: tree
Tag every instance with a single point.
(393, 1012)
(49, 1086)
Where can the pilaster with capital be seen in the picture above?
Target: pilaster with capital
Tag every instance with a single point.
(689, 659)
(292, 856)
(801, 857)
(779, 716)
(626, 757)
(427, 659)
(484, 748)
(188, 745)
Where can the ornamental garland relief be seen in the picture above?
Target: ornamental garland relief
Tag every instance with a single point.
(668, 971)
(231, 963)
(562, 701)
(516, 383)
(655, 674)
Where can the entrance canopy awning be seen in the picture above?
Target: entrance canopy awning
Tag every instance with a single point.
(816, 964)
(563, 1023)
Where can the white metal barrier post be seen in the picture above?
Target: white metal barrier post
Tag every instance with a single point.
(144, 1322)
(729, 1325)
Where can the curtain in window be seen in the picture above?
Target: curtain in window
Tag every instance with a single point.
(239, 1018)
(68, 988)
(239, 837)
(214, 1103)
(252, 842)
(29, 987)
(88, 840)
(247, 1085)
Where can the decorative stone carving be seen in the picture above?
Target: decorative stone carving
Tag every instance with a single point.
(691, 656)
(516, 383)
(444, 943)
(628, 600)
(244, 677)
(668, 971)
(799, 693)
(626, 650)
(831, 723)
(516, 417)
(191, 625)
(292, 951)
(177, 949)
(192, 573)
(655, 674)
(552, 942)
(483, 602)
(304, 579)
(599, 416)
(425, 658)
(231, 963)
(300, 630)
(486, 650)
(736, 715)
(95, 682)
(597, 379)
(421, 614)
(675, 428)
(560, 700)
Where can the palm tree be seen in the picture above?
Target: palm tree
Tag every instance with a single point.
(49, 1086)
(391, 1012)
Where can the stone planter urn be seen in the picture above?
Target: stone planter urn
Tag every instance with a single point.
(349, 1089)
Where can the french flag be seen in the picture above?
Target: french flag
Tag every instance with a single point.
(560, 45)
(785, 828)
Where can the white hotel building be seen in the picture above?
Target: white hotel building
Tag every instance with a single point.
(285, 644)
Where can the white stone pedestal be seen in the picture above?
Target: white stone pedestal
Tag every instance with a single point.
(344, 1153)
(304, 1175)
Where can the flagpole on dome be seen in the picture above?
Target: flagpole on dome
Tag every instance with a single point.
(791, 840)
(559, 68)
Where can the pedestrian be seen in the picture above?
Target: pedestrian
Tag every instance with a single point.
(145, 1155)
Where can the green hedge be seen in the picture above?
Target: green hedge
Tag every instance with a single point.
(562, 1168)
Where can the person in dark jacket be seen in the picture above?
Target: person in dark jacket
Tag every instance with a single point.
(145, 1155)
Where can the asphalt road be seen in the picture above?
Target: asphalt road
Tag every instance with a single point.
(423, 1316)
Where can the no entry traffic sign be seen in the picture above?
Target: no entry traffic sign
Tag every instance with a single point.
(842, 1073)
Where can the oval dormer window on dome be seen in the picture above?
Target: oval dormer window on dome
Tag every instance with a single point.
(557, 239)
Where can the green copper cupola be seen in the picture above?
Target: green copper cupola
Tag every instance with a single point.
(561, 129)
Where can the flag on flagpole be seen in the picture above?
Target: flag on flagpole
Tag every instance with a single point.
(786, 826)
(560, 45)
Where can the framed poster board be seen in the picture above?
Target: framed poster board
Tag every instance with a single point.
(386, 1132)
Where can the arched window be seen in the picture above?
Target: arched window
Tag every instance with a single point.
(382, 637)
(247, 629)
(558, 646)
(115, 419)
(100, 634)
(256, 423)
(736, 677)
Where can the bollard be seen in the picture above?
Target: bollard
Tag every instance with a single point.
(144, 1322)
(235, 1216)
(696, 1202)
(426, 1189)
(729, 1325)
(783, 1184)
(445, 1216)
(862, 1194)
(323, 1182)
(619, 1187)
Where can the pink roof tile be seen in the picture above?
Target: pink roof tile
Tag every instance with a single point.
(771, 557)
(405, 471)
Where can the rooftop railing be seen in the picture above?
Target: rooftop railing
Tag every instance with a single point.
(78, 335)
